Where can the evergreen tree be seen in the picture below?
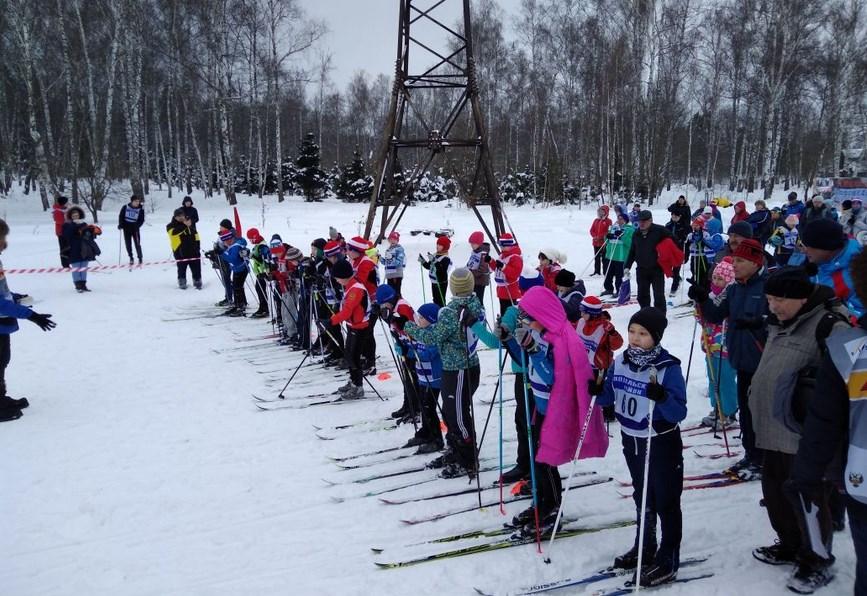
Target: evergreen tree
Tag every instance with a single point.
(355, 183)
(310, 178)
(333, 182)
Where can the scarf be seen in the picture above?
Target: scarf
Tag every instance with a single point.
(640, 357)
(569, 404)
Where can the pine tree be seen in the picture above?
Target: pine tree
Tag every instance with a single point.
(356, 184)
(310, 177)
(334, 182)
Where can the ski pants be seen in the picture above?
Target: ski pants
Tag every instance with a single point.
(368, 349)
(598, 259)
(132, 236)
(334, 337)
(396, 283)
(745, 418)
(721, 375)
(430, 420)
(288, 313)
(458, 387)
(439, 293)
(613, 277)
(238, 279)
(79, 275)
(858, 527)
(195, 269)
(665, 485)
(647, 278)
(355, 340)
(504, 304)
(523, 461)
(549, 486)
(261, 294)
(5, 356)
(480, 293)
(411, 391)
(226, 278)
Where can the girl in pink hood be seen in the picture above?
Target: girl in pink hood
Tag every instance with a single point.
(741, 213)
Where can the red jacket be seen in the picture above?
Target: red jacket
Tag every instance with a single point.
(58, 212)
(508, 269)
(741, 213)
(599, 228)
(353, 308)
(365, 272)
(549, 274)
(668, 256)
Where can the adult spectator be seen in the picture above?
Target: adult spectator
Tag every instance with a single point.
(854, 220)
(700, 211)
(831, 252)
(643, 253)
(191, 212)
(681, 207)
(745, 307)
(741, 213)
(793, 205)
(598, 233)
(760, 222)
(817, 209)
(81, 240)
(58, 213)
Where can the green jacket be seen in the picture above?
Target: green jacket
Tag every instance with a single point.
(617, 249)
(510, 322)
(446, 334)
(258, 258)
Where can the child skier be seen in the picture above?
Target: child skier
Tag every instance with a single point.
(721, 376)
(367, 274)
(616, 251)
(429, 370)
(394, 261)
(10, 408)
(438, 266)
(601, 339)
(260, 258)
(235, 256)
(330, 292)
(397, 312)
(286, 311)
(184, 241)
(130, 220)
(679, 230)
(550, 264)
(703, 246)
(355, 312)
(599, 237)
(571, 293)
(478, 265)
(646, 376)
(507, 270)
(80, 238)
(785, 240)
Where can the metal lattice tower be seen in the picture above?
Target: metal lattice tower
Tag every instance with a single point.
(453, 76)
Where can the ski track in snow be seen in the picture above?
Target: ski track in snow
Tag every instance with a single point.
(142, 466)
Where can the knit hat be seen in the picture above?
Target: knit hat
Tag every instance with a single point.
(506, 240)
(395, 235)
(461, 282)
(742, 229)
(254, 236)
(823, 234)
(476, 238)
(725, 270)
(591, 305)
(653, 320)
(342, 269)
(358, 244)
(333, 234)
(530, 278)
(792, 220)
(276, 240)
(444, 242)
(332, 248)
(564, 278)
(293, 254)
(385, 293)
(645, 215)
(698, 222)
(750, 250)
(61, 200)
(430, 312)
(227, 235)
(707, 210)
(789, 282)
(319, 243)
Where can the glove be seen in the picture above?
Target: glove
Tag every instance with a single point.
(44, 321)
(526, 340)
(655, 392)
(487, 258)
(503, 333)
(422, 260)
(744, 323)
(119, 227)
(385, 312)
(697, 293)
(244, 253)
(399, 322)
(498, 264)
(468, 319)
(594, 388)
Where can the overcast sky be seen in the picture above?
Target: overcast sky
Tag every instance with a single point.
(364, 32)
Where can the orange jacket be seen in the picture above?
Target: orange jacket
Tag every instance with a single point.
(354, 307)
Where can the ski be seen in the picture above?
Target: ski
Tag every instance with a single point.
(716, 455)
(499, 544)
(712, 484)
(695, 478)
(345, 466)
(601, 575)
(629, 588)
(283, 400)
(510, 499)
(417, 468)
(368, 453)
(331, 437)
(354, 424)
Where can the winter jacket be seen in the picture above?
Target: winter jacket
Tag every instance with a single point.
(854, 222)
(601, 340)
(669, 256)
(456, 344)
(236, 255)
(679, 231)
(394, 260)
(836, 274)
(619, 242)
(355, 307)
(438, 270)
(760, 220)
(682, 210)
(642, 252)
(192, 214)
(572, 299)
(10, 311)
(58, 213)
(541, 373)
(811, 213)
(599, 228)
(428, 365)
(549, 275)
(508, 269)
(835, 421)
(741, 213)
(509, 320)
(81, 241)
(476, 263)
(784, 240)
(184, 241)
(784, 382)
(626, 386)
(796, 208)
(365, 271)
(260, 259)
(702, 243)
(745, 306)
(713, 225)
(633, 217)
(130, 218)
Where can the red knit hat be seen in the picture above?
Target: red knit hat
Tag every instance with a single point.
(477, 238)
(699, 222)
(332, 247)
(506, 240)
(358, 244)
(444, 242)
(750, 250)
(591, 305)
(254, 236)
(395, 235)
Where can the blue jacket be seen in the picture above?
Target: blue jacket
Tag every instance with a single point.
(625, 386)
(836, 275)
(234, 257)
(742, 301)
(796, 208)
(713, 226)
(428, 365)
(10, 311)
(510, 322)
(541, 376)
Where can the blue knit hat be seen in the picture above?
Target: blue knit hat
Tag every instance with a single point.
(529, 279)
(385, 293)
(430, 311)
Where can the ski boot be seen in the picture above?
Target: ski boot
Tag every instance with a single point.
(776, 554)
(355, 392)
(9, 413)
(223, 303)
(344, 388)
(527, 516)
(456, 470)
(197, 283)
(429, 447)
(84, 287)
(629, 559)
(259, 314)
(238, 311)
(546, 525)
(662, 571)
(182, 283)
(514, 475)
(11, 402)
(808, 578)
(442, 461)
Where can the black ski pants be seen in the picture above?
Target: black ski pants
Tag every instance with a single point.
(745, 418)
(195, 269)
(549, 486)
(355, 341)
(5, 356)
(238, 279)
(430, 420)
(647, 278)
(132, 236)
(458, 387)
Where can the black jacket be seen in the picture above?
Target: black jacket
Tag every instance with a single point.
(643, 249)
(184, 240)
(130, 218)
(683, 211)
(80, 242)
(192, 213)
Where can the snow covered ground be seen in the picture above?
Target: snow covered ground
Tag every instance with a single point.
(143, 467)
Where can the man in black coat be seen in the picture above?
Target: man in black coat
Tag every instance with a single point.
(642, 252)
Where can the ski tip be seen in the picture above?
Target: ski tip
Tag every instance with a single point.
(377, 550)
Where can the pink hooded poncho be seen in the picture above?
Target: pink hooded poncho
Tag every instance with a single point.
(570, 400)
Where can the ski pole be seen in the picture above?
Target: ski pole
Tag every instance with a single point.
(423, 293)
(593, 260)
(500, 386)
(643, 524)
(300, 364)
(691, 349)
(363, 377)
(705, 340)
(401, 373)
(584, 428)
(532, 456)
(493, 401)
